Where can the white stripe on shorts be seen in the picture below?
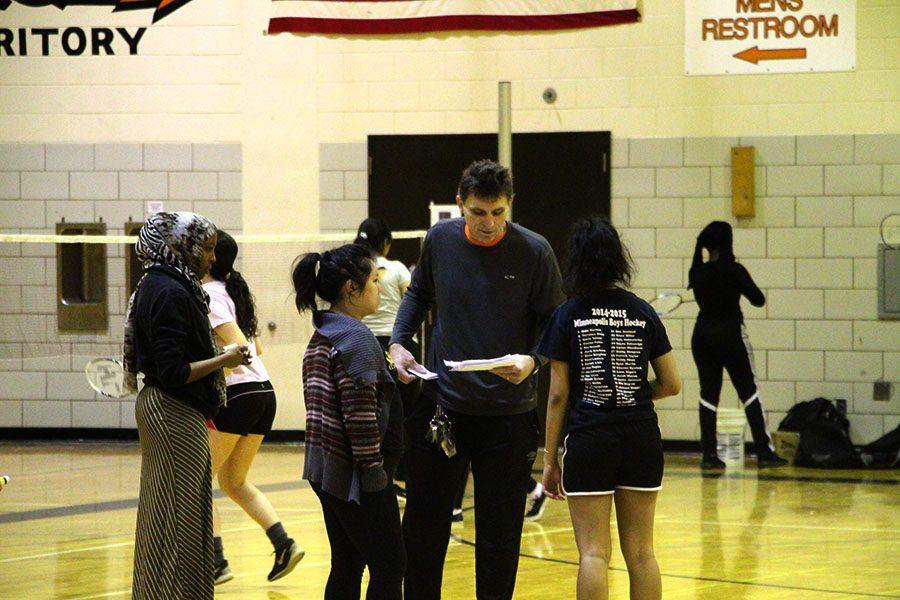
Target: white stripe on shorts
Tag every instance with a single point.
(269, 391)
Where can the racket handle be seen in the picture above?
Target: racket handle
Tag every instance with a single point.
(229, 347)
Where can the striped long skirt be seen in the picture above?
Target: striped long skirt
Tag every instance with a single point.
(173, 551)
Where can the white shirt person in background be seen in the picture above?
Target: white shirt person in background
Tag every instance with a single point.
(393, 279)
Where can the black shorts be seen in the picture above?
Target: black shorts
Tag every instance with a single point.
(250, 409)
(614, 456)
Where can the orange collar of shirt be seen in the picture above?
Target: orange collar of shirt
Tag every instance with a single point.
(485, 244)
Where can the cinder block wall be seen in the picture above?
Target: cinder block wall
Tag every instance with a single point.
(41, 369)
(343, 186)
(812, 247)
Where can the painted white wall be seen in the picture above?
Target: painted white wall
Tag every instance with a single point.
(209, 73)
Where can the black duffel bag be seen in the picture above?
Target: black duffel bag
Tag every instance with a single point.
(883, 452)
(824, 434)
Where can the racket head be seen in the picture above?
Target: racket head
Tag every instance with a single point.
(890, 230)
(107, 377)
(666, 302)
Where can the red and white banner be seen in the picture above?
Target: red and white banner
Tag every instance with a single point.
(420, 16)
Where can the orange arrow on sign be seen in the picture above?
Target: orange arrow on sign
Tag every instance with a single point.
(754, 54)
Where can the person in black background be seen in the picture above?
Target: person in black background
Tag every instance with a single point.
(720, 340)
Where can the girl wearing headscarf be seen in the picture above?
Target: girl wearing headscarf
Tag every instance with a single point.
(236, 433)
(720, 340)
(168, 339)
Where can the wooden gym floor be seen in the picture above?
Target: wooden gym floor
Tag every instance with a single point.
(67, 526)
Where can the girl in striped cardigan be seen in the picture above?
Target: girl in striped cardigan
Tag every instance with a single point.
(353, 423)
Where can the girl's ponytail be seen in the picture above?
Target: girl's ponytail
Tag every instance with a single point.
(304, 278)
(324, 275)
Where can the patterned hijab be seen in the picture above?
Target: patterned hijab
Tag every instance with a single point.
(173, 240)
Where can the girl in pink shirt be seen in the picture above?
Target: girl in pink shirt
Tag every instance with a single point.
(236, 433)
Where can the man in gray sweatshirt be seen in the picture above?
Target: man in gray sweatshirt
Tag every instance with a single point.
(493, 285)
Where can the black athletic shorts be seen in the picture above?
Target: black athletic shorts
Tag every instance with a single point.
(250, 409)
(614, 456)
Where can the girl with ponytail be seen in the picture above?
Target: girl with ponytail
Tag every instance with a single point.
(236, 433)
(354, 422)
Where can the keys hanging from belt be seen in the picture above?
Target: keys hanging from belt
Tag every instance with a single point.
(440, 432)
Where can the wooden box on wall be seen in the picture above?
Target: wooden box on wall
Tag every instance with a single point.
(81, 294)
(743, 194)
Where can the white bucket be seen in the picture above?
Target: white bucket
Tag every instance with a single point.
(730, 425)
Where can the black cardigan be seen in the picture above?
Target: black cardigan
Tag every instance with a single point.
(172, 331)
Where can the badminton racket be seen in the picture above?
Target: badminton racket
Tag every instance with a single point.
(107, 375)
(667, 302)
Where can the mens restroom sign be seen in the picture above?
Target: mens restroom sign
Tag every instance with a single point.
(769, 36)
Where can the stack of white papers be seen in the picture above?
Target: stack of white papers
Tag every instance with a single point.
(482, 364)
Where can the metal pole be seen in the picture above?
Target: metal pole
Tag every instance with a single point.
(504, 126)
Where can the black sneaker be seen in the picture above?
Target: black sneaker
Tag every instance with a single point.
(456, 518)
(770, 459)
(222, 573)
(286, 558)
(710, 463)
(536, 507)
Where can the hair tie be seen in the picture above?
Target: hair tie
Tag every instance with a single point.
(316, 266)
(364, 235)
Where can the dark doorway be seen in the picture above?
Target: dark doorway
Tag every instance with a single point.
(558, 177)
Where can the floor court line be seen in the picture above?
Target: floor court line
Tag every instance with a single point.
(773, 477)
(71, 510)
(79, 509)
(131, 542)
(562, 561)
(236, 576)
(112, 505)
(662, 519)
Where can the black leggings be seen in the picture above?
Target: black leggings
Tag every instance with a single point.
(360, 535)
(716, 346)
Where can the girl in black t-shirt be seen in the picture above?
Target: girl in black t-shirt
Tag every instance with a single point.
(600, 343)
(720, 341)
